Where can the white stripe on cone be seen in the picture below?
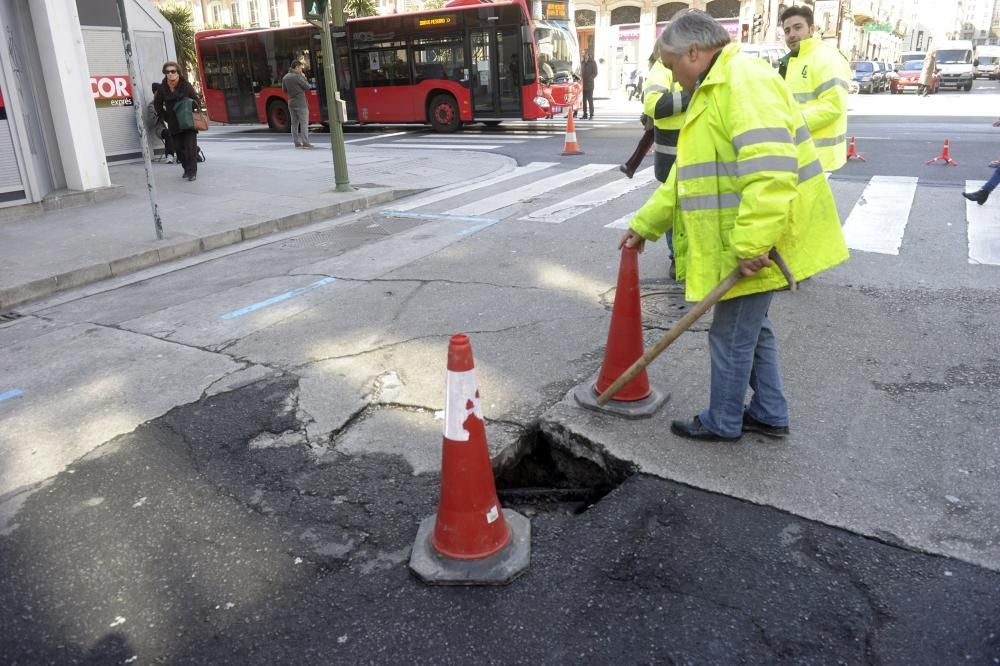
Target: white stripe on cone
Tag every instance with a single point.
(570, 137)
(461, 389)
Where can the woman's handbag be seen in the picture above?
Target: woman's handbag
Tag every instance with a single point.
(200, 121)
(184, 112)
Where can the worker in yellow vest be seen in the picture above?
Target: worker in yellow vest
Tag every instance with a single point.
(818, 76)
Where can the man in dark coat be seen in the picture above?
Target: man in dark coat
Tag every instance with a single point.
(589, 75)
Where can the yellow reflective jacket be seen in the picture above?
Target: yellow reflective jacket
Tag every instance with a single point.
(819, 77)
(664, 102)
(746, 179)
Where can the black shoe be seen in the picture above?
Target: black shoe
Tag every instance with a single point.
(624, 170)
(672, 271)
(694, 429)
(979, 196)
(750, 424)
(191, 177)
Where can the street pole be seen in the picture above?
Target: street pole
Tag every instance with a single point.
(333, 103)
(139, 120)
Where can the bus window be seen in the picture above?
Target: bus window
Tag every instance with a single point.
(558, 57)
(434, 59)
(383, 66)
(214, 78)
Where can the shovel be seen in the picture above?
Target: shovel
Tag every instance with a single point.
(685, 323)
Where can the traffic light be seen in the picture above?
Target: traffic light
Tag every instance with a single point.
(314, 10)
(758, 23)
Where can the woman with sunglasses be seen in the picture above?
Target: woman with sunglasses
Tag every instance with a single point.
(173, 89)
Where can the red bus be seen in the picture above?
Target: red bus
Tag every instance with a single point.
(470, 61)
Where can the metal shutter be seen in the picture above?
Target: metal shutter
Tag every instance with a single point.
(10, 176)
(106, 56)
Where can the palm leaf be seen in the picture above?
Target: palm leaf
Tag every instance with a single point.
(181, 20)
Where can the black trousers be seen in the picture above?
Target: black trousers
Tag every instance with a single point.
(168, 142)
(588, 103)
(186, 143)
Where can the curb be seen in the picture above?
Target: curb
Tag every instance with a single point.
(36, 289)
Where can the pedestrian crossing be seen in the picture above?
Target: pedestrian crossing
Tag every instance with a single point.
(548, 193)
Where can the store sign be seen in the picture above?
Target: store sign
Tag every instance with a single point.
(732, 27)
(878, 27)
(628, 34)
(111, 91)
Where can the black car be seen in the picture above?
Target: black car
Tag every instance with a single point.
(868, 76)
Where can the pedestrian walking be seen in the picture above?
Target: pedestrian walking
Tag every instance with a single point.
(158, 125)
(983, 193)
(295, 84)
(747, 179)
(176, 101)
(927, 74)
(589, 75)
(819, 76)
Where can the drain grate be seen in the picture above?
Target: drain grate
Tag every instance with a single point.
(561, 473)
(9, 316)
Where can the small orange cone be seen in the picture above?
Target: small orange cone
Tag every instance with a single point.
(853, 153)
(571, 147)
(636, 399)
(471, 540)
(945, 156)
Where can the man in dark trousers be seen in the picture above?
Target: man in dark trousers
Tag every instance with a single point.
(589, 75)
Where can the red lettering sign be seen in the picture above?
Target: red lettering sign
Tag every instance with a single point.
(111, 90)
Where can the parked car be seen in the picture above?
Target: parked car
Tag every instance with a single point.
(908, 78)
(773, 53)
(886, 71)
(868, 75)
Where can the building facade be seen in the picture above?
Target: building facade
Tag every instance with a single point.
(241, 13)
(67, 104)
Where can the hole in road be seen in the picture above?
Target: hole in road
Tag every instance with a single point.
(558, 472)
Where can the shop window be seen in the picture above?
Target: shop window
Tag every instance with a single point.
(625, 15)
(585, 18)
(666, 12)
(723, 8)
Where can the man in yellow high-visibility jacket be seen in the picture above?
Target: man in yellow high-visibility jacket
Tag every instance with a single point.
(747, 179)
(818, 76)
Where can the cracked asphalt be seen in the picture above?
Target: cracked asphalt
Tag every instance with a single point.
(226, 462)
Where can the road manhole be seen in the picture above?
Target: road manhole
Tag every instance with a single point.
(663, 305)
(556, 471)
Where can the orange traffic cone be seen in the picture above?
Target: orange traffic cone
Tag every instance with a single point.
(945, 156)
(571, 147)
(625, 346)
(471, 540)
(853, 153)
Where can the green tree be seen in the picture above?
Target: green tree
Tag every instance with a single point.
(360, 7)
(181, 22)
(434, 4)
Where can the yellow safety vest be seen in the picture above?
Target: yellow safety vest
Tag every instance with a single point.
(819, 77)
(664, 102)
(747, 178)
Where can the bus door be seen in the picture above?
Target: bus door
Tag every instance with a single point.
(344, 87)
(241, 107)
(496, 86)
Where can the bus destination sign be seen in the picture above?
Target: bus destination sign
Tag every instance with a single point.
(555, 10)
(433, 21)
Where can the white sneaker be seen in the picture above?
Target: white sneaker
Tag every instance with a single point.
(169, 159)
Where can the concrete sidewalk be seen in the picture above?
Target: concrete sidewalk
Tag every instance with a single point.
(250, 185)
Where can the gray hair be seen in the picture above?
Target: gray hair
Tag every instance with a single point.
(693, 28)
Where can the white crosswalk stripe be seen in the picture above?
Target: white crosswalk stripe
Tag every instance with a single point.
(563, 210)
(984, 228)
(510, 197)
(880, 209)
(878, 220)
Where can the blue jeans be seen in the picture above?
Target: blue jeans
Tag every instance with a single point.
(992, 183)
(744, 353)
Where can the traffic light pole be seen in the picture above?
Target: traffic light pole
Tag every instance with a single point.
(335, 122)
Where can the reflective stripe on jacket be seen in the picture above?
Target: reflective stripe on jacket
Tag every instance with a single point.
(819, 77)
(664, 102)
(747, 178)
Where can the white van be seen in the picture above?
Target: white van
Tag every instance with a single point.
(954, 61)
(987, 59)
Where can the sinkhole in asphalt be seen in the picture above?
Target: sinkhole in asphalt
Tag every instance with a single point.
(552, 470)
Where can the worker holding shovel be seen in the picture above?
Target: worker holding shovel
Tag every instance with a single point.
(747, 187)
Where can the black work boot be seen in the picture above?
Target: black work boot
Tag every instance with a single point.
(625, 170)
(979, 196)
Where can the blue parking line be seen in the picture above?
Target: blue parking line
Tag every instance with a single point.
(13, 393)
(278, 299)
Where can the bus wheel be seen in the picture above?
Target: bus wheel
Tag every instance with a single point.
(444, 114)
(278, 118)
